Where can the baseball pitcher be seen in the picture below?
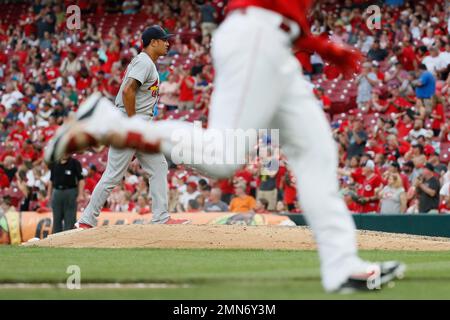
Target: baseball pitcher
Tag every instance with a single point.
(137, 97)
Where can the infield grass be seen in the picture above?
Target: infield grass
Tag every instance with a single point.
(208, 274)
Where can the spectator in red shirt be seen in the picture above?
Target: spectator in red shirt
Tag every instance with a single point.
(395, 102)
(50, 130)
(3, 56)
(43, 202)
(20, 134)
(92, 178)
(113, 55)
(281, 171)
(426, 142)
(94, 66)
(324, 100)
(438, 116)
(358, 22)
(52, 72)
(246, 175)
(444, 204)
(28, 151)
(396, 148)
(405, 124)
(355, 171)
(8, 150)
(290, 192)
(331, 72)
(374, 148)
(27, 21)
(83, 81)
(227, 188)
(367, 198)
(113, 85)
(22, 52)
(406, 55)
(352, 206)
(4, 181)
(101, 81)
(187, 84)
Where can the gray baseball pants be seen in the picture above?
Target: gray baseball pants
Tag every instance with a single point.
(118, 162)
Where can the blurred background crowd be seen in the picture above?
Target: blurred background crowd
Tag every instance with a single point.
(390, 122)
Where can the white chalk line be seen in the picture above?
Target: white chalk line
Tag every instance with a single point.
(92, 286)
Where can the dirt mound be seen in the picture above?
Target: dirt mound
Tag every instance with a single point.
(225, 237)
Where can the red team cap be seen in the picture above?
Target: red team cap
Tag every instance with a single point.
(192, 184)
(428, 150)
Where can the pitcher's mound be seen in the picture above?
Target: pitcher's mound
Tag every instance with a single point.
(225, 237)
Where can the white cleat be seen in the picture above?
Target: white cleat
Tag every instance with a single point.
(377, 275)
(97, 122)
(73, 136)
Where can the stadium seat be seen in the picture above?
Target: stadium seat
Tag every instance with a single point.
(444, 155)
(370, 120)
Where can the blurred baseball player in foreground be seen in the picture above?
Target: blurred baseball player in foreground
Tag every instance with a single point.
(259, 84)
(137, 97)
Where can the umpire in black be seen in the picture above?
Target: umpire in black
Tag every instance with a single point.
(66, 188)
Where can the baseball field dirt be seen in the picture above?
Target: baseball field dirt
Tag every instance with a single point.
(226, 237)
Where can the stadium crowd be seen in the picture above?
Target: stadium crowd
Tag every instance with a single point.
(390, 122)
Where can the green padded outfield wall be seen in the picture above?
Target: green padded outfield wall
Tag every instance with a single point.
(434, 225)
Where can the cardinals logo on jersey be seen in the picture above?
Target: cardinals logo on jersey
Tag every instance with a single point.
(154, 89)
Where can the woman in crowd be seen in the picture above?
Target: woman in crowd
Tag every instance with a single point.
(392, 196)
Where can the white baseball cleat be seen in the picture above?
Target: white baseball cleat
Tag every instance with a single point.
(69, 137)
(97, 122)
(376, 276)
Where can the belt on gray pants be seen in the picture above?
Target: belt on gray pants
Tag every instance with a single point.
(123, 107)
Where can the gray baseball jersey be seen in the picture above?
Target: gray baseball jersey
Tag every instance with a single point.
(144, 70)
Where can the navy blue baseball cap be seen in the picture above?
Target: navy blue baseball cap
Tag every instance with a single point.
(154, 33)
